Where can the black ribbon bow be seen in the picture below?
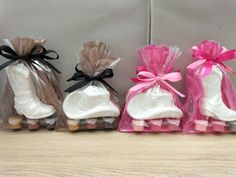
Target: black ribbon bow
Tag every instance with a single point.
(12, 56)
(85, 79)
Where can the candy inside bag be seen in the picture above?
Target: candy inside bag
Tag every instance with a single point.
(92, 103)
(30, 93)
(152, 105)
(210, 105)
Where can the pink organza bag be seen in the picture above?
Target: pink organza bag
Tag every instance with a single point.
(152, 105)
(210, 105)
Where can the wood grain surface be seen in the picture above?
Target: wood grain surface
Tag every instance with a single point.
(99, 154)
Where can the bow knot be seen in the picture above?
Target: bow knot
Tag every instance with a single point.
(147, 79)
(84, 79)
(12, 56)
(209, 53)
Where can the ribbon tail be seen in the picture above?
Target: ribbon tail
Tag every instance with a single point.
(105, 83)
(227, 68)
(37, 65)
(4, 65)
(76, 86)
(52, 67)
(208, 68)
(173, 89)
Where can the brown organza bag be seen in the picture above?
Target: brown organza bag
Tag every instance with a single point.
(92, 103)
(30, 94)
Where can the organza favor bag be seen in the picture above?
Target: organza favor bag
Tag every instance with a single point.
(30, 95)
(210, 105)
(152, 105)
(92, 103)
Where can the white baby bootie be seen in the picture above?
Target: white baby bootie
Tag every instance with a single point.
(25, 99)
(212, 104)
(154, 103)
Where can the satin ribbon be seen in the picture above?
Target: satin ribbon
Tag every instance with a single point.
(208, 60)
(85, 79)
(12, 56)
(147, 79)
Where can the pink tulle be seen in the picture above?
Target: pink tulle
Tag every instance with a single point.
(208, 53)
(157, 65)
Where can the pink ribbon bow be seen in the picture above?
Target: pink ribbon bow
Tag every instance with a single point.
(147, 79)
(209, 53)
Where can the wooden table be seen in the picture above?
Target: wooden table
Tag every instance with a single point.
(98, 154)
